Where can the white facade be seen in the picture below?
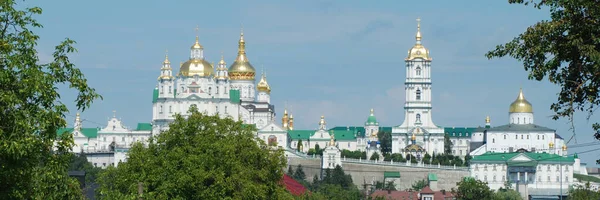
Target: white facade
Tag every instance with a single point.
(530, 172)
(227, 92)
(519, 134)
(418, 107)
(331, 156)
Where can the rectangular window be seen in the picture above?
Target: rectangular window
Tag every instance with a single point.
(225, 109)
(170, 92)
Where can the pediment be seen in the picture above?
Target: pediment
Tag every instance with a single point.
(321, 134)
(272, 127)
(521, 158)
(193, 97)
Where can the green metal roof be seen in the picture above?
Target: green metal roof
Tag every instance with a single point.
(432, 177)
(155, 95)
(534, 157)
(87, 132)
(300, 134)
(234, 96)
(359, 129)
(459, 131)
(389, 174)
(372, 120)
(144, 127)
(340, 135)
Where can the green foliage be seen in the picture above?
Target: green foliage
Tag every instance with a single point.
(446, 160)
(80, 163)
(471, 189)
(33, 161)
(335, 185)
(385, 142)
(290, 171)
(586, 178)
(468, 158)
(506, 194)
(427, 158)
(354, 154)
(201, 157)
(299, 145)
(583, 193)
(447, 145)
(374, 156)
(566, 50)
(390, 185)
(419, 185)
(396, 157)
(299, 174)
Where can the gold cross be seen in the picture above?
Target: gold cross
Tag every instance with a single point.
(114, 113)
(196, 29)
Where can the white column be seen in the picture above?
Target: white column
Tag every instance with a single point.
(518, 176)
(526, 179)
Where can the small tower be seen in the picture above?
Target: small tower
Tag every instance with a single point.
(551, 148)
(77, 125)
(322, 123)
(520, 110)
(564, 150)
(197, 50)
(334, 157)
(487, 122)
(165, 80)
(264, 90)
(222, 75)
(371, 126)
(284, 120)
(242, 73)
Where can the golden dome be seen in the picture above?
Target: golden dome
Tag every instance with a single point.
(418, 51)
(167, 60)
(222, 62)
(241, 69)
(487, 119)
(196, 67)
(262, 85)
(564, 147)
(521, 105)
(551, 145)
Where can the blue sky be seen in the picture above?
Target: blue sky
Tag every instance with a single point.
(332, 58)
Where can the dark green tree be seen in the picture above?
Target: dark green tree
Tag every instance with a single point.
(447, 145)
(385, 142)
(79, 162)
(468, 158)
(418, 185)
(583, 193)
(199, 157)
(299, 145)
(33, 160)
(299, 174)
(427, 158)
(471, 189)
(374, 156)
(290, 171)
(318, 150)
(565, 50)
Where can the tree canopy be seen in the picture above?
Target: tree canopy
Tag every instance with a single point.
(566, 50)
(201, 157)
(33, 161)
(471, 189)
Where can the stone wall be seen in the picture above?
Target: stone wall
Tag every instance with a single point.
(370, 173)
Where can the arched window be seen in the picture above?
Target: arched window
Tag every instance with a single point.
(162, 89)
(170, 109)
(418, 118)
(418, 94)
(505, 137)
(209, 90)
(170, 92)
(493, 140)
(418, 71)
(161, 110)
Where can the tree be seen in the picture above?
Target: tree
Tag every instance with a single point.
(299, 145)
(290, 171)
(566, 50)
(299, 174)
(33, 160)
(468, 158)
(427, 158)
(201, 157)
(418, 185)
(385, 142)
(507, 194)
(80, 163)
(583, 193)
(471, 189)
(374, 156)
(447, 145)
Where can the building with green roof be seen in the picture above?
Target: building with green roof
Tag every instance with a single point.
(532, 172)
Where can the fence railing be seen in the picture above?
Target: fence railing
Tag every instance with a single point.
(387, 163)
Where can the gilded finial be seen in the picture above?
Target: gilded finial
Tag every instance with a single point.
(487, 119)
(551, 145)
(197, 43)
(564, 147)
(332, 141)
(418, 29)
(372, 112)
(167, 57)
